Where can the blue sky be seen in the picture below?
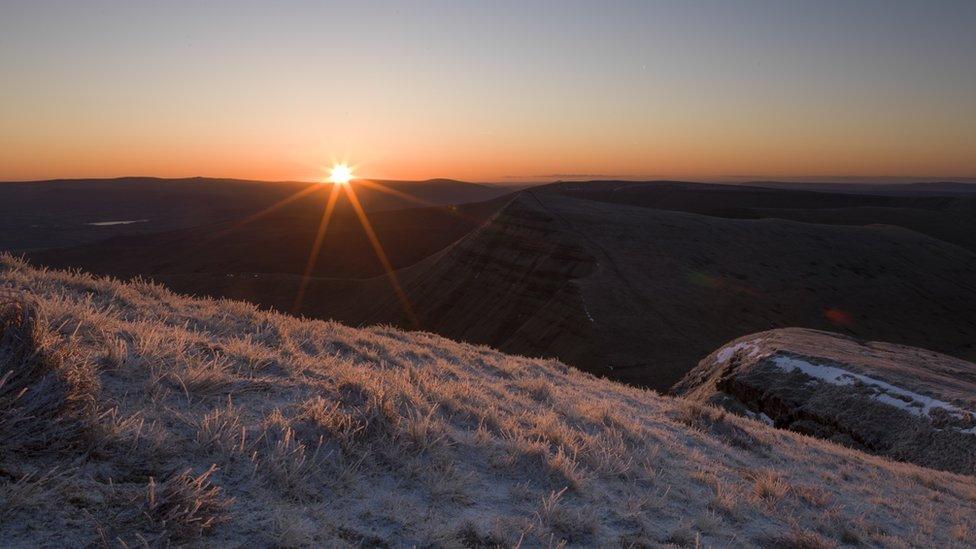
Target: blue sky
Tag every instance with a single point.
(484, 90)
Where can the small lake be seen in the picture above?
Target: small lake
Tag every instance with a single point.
(111, 223)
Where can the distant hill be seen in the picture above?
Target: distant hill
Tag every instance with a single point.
(130, 415)
(946, 216)
(280, 242)
(61, 213)
(943, 188)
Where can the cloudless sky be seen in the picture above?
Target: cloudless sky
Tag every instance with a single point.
(491, 90)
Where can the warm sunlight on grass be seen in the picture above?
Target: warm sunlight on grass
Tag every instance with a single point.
(340, 174)
(246, 412)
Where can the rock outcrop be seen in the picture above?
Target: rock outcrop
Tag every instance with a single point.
(901, 402)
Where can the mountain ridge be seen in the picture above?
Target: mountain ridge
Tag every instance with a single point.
(676, 285)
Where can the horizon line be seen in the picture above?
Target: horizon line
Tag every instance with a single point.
(565, 178)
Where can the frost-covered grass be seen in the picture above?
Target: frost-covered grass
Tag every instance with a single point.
(181, 420)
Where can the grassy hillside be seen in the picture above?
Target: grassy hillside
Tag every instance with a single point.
(128, 413)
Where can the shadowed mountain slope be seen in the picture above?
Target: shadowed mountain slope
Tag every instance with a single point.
(641, 294)
(280, 242)
(134, 416)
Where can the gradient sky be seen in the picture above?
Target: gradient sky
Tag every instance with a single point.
(488, 90)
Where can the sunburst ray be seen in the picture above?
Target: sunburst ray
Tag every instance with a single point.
(312, 188)
(316, 247)
(381, 255)
(451, 209)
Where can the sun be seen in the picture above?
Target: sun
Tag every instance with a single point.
(340, 174)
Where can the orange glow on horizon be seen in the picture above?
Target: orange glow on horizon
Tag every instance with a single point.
(438, 93)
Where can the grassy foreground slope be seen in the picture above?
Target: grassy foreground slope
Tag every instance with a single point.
(128, 413)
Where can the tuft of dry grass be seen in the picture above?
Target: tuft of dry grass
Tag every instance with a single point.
(769, 486)
(285, 463)
(813, 495)
(572, 525)
(184, 505)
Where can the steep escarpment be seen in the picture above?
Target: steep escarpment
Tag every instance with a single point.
(902, 402)
(640, 294)
(511, 284)
(182, 421)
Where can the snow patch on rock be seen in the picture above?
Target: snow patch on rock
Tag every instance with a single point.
(886, 393)
(751, 348)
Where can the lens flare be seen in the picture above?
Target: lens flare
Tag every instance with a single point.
(340, 174)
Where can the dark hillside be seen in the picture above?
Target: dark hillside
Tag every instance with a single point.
(640, 294)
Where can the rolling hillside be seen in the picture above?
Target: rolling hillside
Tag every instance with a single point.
(943, 211)
(131, 415)
(280, 242)
(634, 281)
(65, 213)
(641, 294)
